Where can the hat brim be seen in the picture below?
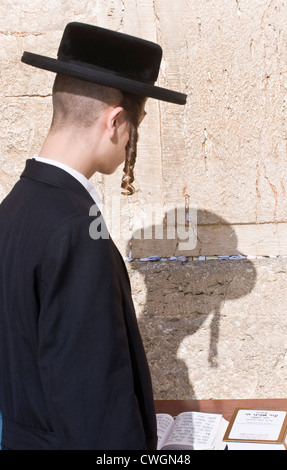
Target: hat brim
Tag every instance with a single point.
(103, 77)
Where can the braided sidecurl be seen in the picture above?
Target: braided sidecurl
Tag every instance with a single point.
(134, 107)
(131, 154)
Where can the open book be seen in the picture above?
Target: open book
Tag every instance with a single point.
(191, 430)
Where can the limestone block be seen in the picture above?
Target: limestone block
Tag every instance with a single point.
(22, 130)
(213, 329)
(36, 16)
(206, 234)
(229, 139)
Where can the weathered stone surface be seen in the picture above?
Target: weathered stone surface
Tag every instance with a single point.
(214, 329)
(226, 148)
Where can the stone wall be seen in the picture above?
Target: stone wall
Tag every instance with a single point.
(213, 316)
(214, 329)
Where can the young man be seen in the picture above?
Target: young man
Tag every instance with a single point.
(73, 371)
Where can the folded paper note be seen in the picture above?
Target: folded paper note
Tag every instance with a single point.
(257, 430)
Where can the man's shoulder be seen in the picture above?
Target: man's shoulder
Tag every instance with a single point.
(37, 206)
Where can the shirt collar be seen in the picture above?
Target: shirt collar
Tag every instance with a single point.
(76, 174)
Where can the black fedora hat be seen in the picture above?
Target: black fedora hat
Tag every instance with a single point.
(108, 58)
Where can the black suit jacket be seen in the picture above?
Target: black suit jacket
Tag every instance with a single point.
(73, 371)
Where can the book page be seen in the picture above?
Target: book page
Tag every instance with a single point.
(193, 430)
(218, 443)
(164, 424)
(257, 425)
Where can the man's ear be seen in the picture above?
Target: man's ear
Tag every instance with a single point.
(114, 119)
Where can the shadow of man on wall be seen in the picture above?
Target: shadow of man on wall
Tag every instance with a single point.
(184, 295)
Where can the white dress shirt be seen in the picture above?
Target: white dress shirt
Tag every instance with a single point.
(79, 176)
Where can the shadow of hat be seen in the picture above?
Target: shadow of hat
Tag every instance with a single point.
(183, 293)
(108, 58)
(214, 238)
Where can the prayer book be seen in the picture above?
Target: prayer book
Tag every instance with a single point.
(251, 429)
(191, 430)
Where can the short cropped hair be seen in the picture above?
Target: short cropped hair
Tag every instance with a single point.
(78, 103)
